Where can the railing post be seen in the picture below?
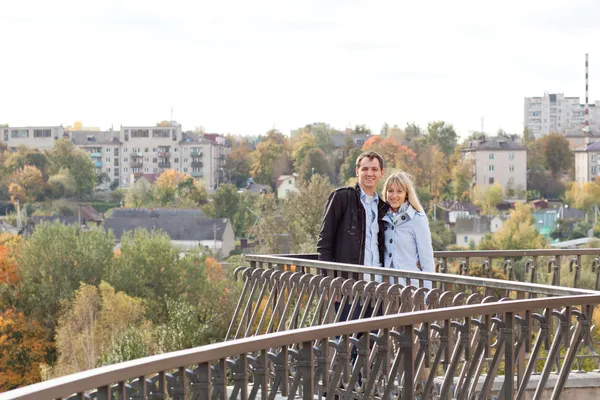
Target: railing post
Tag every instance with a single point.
(104, 393)
(507, 332)
(406, 347)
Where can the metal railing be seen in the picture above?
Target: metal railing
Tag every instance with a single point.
(435, 353)
(305, 328)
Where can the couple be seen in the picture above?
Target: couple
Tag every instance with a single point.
(360, 228)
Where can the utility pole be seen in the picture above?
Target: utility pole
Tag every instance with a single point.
(215, 238)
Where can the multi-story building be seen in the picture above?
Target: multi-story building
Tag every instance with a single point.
(132, 151)
(587, 162)
(499, 160)
(39, 137)
(553, 112)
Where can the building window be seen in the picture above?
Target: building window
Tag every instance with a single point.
(491, 181)
(185, 170)
(108, 170)
(125, 169)
(116, 162)
(185, 160)
(146, 150)
(146, 170)
(491, 168)
(154, 150)
(116, 151)
(107, 150)
(125, 150)
(511, 168)
(466, 239)
(108, 160)
(155, 170)
(594, 170)
(176, 149)
(125, 159)
(161, 133)
(42, 133)
(491, 156)
(154, 160)
(19, 133)
(176, 160)
(146, 159)
(139, 133)
(511, 156)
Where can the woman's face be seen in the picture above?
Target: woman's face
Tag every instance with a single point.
(396, 195)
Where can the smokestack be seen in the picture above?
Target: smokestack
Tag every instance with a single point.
(586, 128)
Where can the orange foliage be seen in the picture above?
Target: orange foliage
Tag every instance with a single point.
(22, 349)
(214, 271)
(8, 269)
(395, 154)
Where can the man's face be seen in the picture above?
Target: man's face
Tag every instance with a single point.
(369, 173)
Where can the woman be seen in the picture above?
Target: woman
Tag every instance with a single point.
(406, 228)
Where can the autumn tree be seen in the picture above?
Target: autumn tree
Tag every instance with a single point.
(64, 155)
(412, 131)
(301, 148)
(27, 184)
(23, 348)
(517, 233)
(271, 159)
(303, 210)
(488, 197)
(462, 178)
(558, 156)
(583, 196)
(394, 154)
(238, 163)
(315, 162)
(270, 226)
(26, 156)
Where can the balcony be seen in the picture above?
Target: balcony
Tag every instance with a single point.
(197, 164)
(164, 164)
(198, 174)
(164, 154)
(136, 164)
(196, 154)
(98, 164)
(96, 155)
(453, 333)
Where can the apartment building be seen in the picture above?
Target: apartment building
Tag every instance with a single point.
(587, 162)
(554, 112)
(39, 137)
(499, 160)
(126, 154)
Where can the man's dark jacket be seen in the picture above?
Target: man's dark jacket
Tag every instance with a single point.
(343, 229)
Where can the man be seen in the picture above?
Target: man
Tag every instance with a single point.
(352, 226)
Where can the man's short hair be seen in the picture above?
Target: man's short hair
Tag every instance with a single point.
(370, 154)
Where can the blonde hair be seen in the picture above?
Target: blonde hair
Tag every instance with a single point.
(403, 180)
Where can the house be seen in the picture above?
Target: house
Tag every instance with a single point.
(65, 220)
(587, 157)
(499, 160)
(450, 211)
(473, 229)
(187, 228)
(144, 181)
(342, 141)
(285, 185)
(545, 220)
(577, 137)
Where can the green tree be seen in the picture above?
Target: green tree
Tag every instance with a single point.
(442, 134)
(225, 202)
(348, 168)
(54, 261)
(244, 216)
(558, 155)
(488, 198)
(315, 162)
(238, 163)
(64, 154)
(62, 184)
(25, 156)
(412, 131)
(301, 149)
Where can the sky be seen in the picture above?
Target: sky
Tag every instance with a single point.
(244, 67)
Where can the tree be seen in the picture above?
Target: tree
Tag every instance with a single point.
(412, 131)
(488, 198)
(138, 195)
(443, 135)
(322, 135)
(583, 196)
(26, 156)
(384, 129)
(270, 226)
(62, 184)
(27, 184)
(54, 261)
(168, 184)
(301, 148)
(518, 232)
(462, 178)
(348, 168)
(91, 323)
(303, 209)
(396, 133)
(315, 162)
(394, 154)
(224, 204)
(245, 216)
(238, 164)
(64, 154)
(361, 130)
(271, 159)
(559, 157)
(23, 348)
(542, 181)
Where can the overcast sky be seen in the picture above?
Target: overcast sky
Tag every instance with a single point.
(242, 67)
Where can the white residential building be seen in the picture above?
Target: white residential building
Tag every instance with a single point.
(587, 162)
(135, 150)
(499, 160)
(553, 112)
(285, 185)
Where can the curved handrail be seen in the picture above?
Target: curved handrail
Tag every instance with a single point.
(100, 377)
(427, 276)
